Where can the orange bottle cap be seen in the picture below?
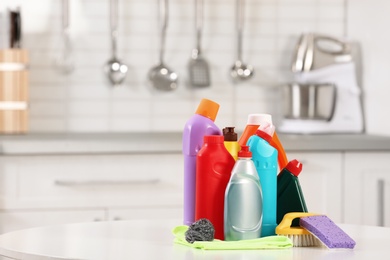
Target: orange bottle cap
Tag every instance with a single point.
(208, 108)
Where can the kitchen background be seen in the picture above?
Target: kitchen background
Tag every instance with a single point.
(84, 101)
(92, 174)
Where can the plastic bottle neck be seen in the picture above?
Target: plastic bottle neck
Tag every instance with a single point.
(245, 158)
(212, 140)
(264, 135)
(214, 144)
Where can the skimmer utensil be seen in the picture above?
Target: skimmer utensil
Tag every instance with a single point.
(198, 68)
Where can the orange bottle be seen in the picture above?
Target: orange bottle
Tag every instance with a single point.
(253, 123)
(282, 157)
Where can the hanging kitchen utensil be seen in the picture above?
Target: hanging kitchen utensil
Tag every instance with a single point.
(114, 68)
(240, 71)
(198, 68)
(65, 61)
(160, 76)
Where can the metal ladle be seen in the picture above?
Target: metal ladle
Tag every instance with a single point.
(115, 69)
(160, 76)
(240, 71)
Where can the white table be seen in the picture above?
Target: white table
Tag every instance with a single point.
(146, 239)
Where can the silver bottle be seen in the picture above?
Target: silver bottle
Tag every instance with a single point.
(243, 211)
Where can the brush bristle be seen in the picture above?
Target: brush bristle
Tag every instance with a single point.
(303, 240)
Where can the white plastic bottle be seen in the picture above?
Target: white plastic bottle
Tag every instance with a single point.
(243, 211)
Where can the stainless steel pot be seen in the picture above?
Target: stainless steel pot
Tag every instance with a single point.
(309, 101)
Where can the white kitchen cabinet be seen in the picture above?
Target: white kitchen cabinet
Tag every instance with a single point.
(367, 188)
(14, 220)
(322, 182)
(86, 181)
(52, 189)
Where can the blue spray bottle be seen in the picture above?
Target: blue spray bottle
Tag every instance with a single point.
(265, 158)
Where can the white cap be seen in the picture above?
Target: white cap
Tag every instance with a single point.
(259, 119)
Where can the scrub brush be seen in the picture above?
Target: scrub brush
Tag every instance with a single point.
(299, 236)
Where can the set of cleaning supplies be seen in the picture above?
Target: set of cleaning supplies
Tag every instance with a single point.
(243, 200)
(207, 173)
(234, 192)
(314, 230)
(199, 125)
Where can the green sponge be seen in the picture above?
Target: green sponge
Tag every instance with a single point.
(270, 242)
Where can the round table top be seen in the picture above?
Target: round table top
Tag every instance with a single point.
(150, 239)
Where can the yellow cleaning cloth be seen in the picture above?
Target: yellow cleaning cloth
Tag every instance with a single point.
(271, 242)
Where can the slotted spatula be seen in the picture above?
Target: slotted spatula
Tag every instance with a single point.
(198, 68)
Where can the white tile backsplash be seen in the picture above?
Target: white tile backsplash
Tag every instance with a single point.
(48, 124)
(368, 24)
(84, 101)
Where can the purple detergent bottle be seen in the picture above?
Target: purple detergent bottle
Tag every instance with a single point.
(199, 125)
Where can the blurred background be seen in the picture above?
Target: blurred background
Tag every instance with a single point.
(87, 146)
(84, 101)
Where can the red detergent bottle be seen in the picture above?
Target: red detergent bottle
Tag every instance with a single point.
(213, 169)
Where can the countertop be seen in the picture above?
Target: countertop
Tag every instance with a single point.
(170, 142)
(152, 239)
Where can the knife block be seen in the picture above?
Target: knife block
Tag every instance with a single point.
(13, 91)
